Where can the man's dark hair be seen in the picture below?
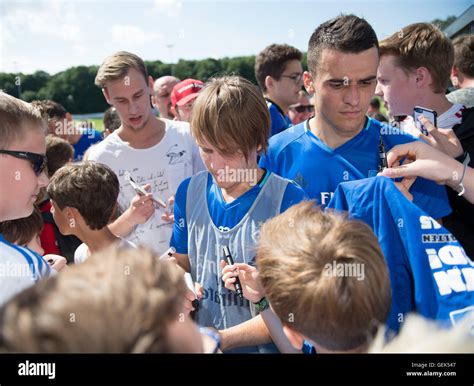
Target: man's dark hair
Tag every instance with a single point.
(346, 33)
(464, 54)
(375, 103)
(58, 153)
(111, 119)
(50, 109)
(272, 62)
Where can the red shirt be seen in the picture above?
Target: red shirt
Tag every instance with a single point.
(47, 236)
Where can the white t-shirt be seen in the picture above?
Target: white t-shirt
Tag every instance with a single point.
(451, 117)
(164, 166)
(19, 268)
(82, 251)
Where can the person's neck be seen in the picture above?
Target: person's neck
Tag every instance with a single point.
(466, 83)
(436, 102)
(235, 191)
(329, 134)
(151, 134)
(97, 239)
(279, 103)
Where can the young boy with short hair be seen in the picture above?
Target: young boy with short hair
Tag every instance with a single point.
(227, 204)
(22, 163)
(149, 321)
(415, 66)
(279, 74)
(335, 279)
(79, 210)
(59, 152)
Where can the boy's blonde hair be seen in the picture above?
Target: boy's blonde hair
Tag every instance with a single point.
(118, 301)
(230, 113)
(16, 119)
(422, 45)
(297, 256)
(420, 335)
(116, 66)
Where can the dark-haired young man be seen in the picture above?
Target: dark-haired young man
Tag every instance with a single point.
(341, 143)
(279, 74)
(61, 124)
(462, 72)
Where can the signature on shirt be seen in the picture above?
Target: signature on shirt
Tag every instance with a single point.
(175, 157)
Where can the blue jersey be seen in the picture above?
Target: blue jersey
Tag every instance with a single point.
(297, 154)
(87, 139)
(429, 270)
(279, 121)
(20, 268)
(224, 215)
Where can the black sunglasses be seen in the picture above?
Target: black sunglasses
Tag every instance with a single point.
(38, 161)
(302, 108)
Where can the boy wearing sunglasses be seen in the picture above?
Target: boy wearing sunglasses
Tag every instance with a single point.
(22, 162)
(302, 110)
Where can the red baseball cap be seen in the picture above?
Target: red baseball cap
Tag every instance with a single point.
(185, 91)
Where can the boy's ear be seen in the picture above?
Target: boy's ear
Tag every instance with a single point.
(308, 82)
(114, 214)
(423, 77)
(296, 339)
(454, 76)
(454, 71)
(269, 81)
(150, 84)
(174, 111)
(72, 215)
(106, 96)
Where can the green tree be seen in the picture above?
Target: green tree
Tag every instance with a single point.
(443, 23)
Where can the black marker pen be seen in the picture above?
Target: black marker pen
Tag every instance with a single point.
(169, 253)
(230, 261)
(382, 155)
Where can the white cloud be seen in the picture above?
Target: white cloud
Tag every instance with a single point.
(131, 34)
(52, 19)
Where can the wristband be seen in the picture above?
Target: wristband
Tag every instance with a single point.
(262, 304)
(459, 189)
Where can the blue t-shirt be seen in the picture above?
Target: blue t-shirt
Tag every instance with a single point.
(87, 139)
(279, 121)
(428, 269)
(224, 215)
(297, 154)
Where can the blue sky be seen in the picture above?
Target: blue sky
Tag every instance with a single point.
(53, 35)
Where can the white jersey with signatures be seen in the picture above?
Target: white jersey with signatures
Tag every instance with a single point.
(163, 166)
